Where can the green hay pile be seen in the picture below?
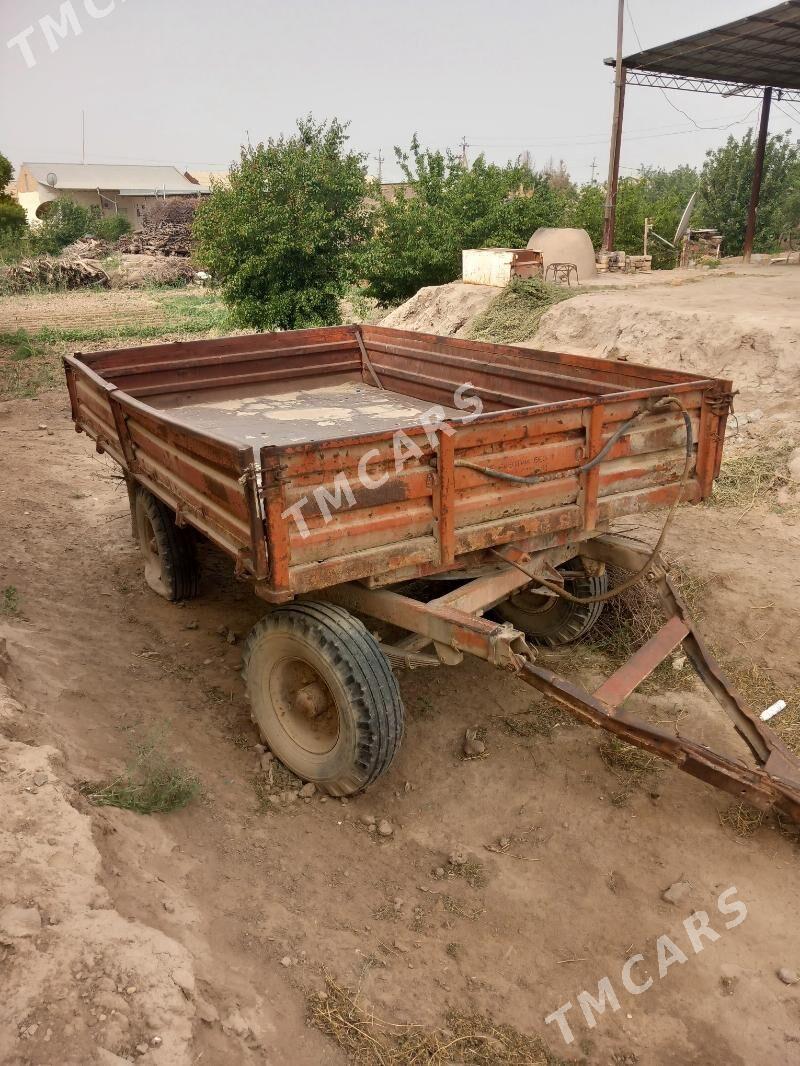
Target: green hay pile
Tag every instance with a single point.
(514, 314)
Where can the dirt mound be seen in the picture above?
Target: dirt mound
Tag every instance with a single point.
(443, 309)
(670, 327)
(82, 983)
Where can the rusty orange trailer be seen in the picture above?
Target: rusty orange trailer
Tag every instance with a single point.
(336, 466)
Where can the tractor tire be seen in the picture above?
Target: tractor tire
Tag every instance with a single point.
(553, 621)
(170, 559)
(323, 696)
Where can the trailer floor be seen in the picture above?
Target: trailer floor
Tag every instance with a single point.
(298, 413)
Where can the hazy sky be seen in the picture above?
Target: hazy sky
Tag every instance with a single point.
(180, 81)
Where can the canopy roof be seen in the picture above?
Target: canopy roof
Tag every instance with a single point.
(741, 56)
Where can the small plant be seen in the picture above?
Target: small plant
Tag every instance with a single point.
(21, 345)
(10, 600)
(154, 783)
(110, 227)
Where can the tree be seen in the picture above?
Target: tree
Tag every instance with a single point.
(660, 195)
(13, 220)
(282, 236)
(419, 237)
(725, 184)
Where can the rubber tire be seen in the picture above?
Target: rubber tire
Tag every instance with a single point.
(358, 677)
(564, 622)
(175, 574)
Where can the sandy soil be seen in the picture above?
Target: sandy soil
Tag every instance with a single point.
(225, 892)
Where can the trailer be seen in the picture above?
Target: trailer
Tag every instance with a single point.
(462, 494)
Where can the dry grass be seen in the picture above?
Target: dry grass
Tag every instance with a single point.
(631, 766)
(760, 690)
(541, 719)
(468, 1038)
(752, 477)
(742, 818)
(628, 621)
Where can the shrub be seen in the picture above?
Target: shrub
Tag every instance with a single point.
(13, 220)
(64, 223)
(282, 236)
(110, 228)
(419, 238)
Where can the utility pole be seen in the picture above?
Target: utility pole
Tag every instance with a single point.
(594, 167)
(609, 217)
(758, 169)
(379, 158)
(464, 147)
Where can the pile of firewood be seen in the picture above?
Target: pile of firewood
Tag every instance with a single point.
(66, 272)
(167, 239)
(167, 229)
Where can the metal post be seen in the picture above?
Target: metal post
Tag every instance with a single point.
(609, 217)
(758, 170)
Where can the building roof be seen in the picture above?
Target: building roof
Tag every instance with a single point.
(759, 50)
(206, 177)
(127, 178)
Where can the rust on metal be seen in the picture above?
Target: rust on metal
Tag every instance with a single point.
(444, 497)
(642, 663)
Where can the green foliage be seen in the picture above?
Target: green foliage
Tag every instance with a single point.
(419, 238)
(725, 190)
(654, 193)
(6, 171)
(13, 220)
(10, 601)
(153, 783)
(514, 314)
(282, 236)
(109, 228)
(64, 223)
(67, 221)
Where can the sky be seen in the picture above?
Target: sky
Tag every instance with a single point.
(186, 82)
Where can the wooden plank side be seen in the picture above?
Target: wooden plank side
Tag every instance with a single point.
(269, 356)
(177, 351)
(600, 369)
(231, 373)
(205, 480)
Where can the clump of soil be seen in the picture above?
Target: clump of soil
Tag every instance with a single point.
(442, 309)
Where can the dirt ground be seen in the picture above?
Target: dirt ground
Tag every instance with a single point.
(197, 936)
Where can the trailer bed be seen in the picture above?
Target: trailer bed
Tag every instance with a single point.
(303, 414)
(241, 434)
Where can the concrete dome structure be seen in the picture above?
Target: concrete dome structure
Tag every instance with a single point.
(564, 245)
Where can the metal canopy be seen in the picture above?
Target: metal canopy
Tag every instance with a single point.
(753, 56)
(741, 57)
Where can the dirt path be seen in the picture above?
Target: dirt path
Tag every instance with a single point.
(514, 933)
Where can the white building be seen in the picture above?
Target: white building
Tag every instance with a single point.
(126, 190)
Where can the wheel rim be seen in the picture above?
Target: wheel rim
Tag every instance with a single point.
(153, 569)
(532, 603)
(304, 706)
